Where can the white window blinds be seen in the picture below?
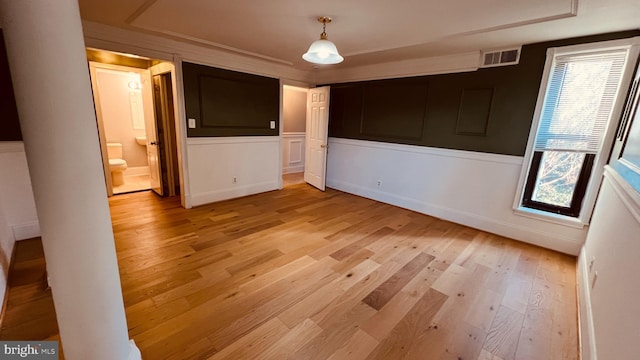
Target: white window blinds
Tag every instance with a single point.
(579, 101)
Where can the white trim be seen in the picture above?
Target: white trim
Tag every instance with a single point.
(137, 170)
(289, 138)
(550, 217)
(11, 146)
(181, 131)
(193, 141)
(293, 134)
(234, 192)
(446, 64)
(527, 234)
(107, 37)
(495, 218)
(586, 331)
(293, 169)
(26, 230)
(462, 154)
(134, 352)
(595, 179)
(628, 195)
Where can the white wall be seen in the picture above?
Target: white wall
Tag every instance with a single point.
(474, 189)
(17, 195)
(214, 163)
(18, 217)
(294, 109)
(608, 304)
(6, 250)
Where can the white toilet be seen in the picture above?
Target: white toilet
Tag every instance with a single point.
(116, 164)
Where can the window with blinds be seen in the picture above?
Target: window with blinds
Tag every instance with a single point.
(576, 112)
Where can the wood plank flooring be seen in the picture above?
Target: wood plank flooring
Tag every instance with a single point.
(302, 274)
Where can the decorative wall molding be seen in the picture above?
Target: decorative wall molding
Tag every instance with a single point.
(461, 154)
(469, 188)
(402, 68)
(106, 37)
(504, 228)
(232, 192)
(232, 140)
(608, 324)
(628, 195)
(292, 134)
(293, 146)
(229, 167)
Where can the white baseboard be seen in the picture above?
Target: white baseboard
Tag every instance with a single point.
(525, 234)
(137, 170)
(134, 352)
(26, 230)
(232, 192)
(293, 169)
(586, 334)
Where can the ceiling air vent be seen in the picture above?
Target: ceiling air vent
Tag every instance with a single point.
(500, 57)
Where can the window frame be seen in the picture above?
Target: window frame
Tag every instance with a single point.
(579, 215)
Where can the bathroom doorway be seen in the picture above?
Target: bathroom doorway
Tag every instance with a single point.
(134, 103)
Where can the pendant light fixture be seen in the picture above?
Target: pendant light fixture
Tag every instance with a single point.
(323, 51)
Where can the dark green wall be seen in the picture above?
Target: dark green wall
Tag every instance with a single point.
(9, 123)
(488, 110)
(229, 103)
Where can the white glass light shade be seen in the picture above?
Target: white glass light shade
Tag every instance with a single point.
(322, 52)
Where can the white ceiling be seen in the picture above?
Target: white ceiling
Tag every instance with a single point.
(365, 31)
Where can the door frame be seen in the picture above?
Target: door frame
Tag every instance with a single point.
(294, 83)
(161, 69)
(93, 68)
(179, 113)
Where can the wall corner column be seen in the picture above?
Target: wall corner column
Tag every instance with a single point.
(50, 75)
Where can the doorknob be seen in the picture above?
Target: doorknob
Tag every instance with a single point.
(323, 146)
(153, 143)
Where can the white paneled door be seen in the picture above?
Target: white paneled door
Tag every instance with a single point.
(317, 137)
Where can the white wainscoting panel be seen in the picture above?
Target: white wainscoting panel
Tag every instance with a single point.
(608, 307)
(18, 217)
(16, 194)
(293, 145)
(469, 188)
(230, 167)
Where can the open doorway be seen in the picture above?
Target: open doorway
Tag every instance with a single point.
(134, 102)
(294, 112)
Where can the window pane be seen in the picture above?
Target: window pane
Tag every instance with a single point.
(557, 177)
(578, 102)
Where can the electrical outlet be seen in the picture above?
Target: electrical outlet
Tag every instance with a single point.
(379, 183)
(272, 124)
(235, 180)
(192, 123)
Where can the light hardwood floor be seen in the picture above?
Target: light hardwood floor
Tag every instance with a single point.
(303, 274)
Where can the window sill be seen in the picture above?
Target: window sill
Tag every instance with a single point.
(550, 217)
